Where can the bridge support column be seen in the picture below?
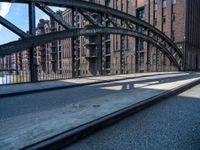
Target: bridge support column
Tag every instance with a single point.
(32, 54)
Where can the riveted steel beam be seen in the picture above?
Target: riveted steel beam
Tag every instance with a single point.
(32, 31)
(100, 8)
(89, 17)
(13, 28)
(53, 15)
(114, 22)
(42, 39)
(118, 15)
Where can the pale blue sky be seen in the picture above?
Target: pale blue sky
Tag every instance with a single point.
(18, 15)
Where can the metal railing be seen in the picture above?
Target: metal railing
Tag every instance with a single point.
(13, 77)
(84, 70)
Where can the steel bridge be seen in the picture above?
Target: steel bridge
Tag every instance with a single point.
(119, 23)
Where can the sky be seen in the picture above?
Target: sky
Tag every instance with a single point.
(18, 15)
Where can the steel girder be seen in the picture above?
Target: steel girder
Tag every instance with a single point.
(13, 28)
(52, 14)
(97, 8)
(42, 39)
(89, 17)
(159, 38)
(32, 31)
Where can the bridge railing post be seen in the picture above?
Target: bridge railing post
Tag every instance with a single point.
(32, 54)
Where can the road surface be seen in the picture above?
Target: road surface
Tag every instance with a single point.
(33, 103)
(31, 118)
(173, 124)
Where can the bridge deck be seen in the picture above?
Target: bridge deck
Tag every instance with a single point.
(172, 124)
(8, 90)
(30, 118)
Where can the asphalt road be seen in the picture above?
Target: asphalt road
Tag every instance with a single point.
(173, 124)
(33, 103)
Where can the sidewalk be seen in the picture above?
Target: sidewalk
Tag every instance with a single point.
(25, 88)
(38, 130)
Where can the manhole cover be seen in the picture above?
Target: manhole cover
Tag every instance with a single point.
(96, 105)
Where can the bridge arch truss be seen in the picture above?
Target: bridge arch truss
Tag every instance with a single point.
(119, 23)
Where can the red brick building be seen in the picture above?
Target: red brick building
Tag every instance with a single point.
(42, 51)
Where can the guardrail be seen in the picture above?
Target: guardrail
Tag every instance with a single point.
(12, 76)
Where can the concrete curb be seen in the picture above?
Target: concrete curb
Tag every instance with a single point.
(71, 86)
(71, 136)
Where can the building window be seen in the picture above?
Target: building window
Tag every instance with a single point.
(140, 45)
(163, 19)
(59, 28)
(107, 62)
(116, 43)
(173, 2)
(140, 13)
(108, 48)
(173, 16)
(107, 3)
(127, 43)
(164, 3)
(128, 2)
(155, 5)
(155, 22)
(173, 35)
